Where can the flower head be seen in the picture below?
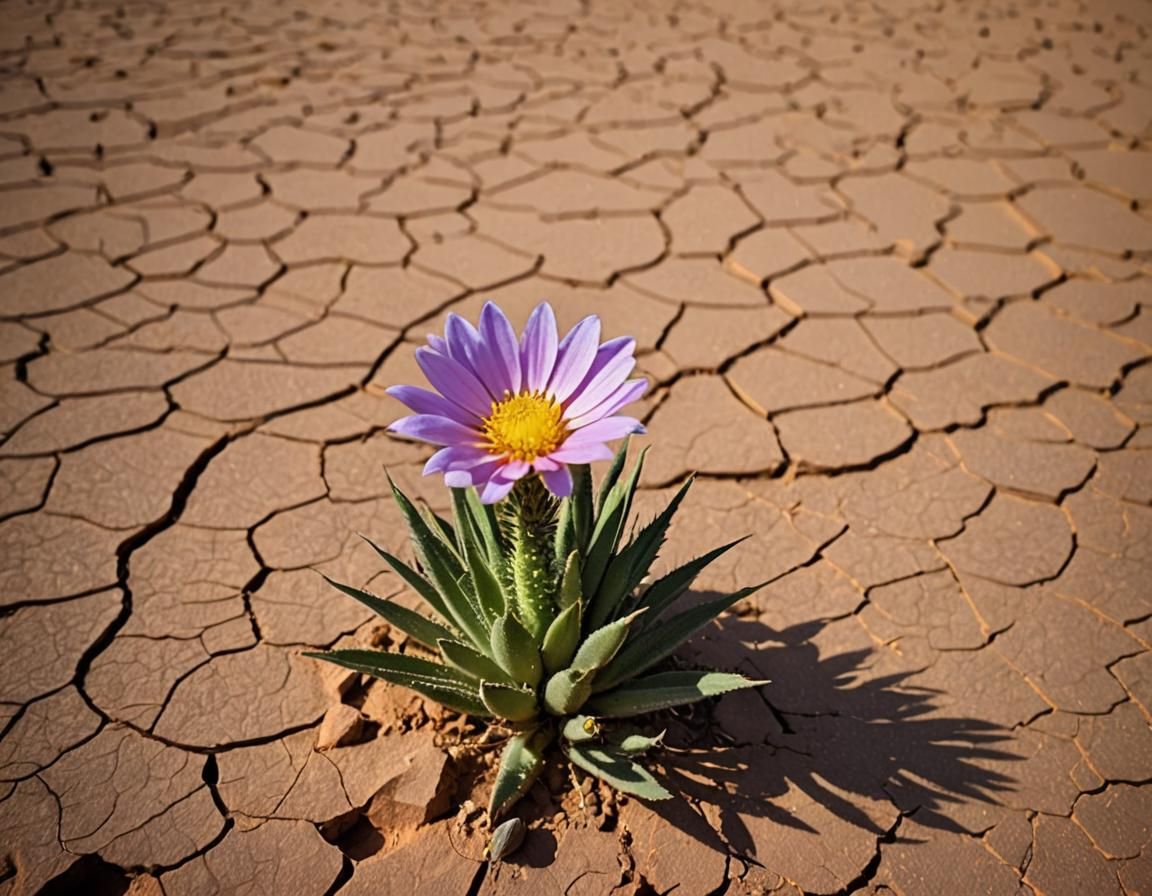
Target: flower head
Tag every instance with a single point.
(504, 407)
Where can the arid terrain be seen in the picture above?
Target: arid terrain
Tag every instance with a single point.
(888, 267)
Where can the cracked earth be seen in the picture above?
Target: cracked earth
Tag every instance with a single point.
(888, 268)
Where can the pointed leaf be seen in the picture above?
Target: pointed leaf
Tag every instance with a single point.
(612, 476)
(520, 764)
(507, 702)
(485, 584)
(484, 519)
(471, 662)
(565, 532)
(581, 505)
(621, 771)
(609, 527)
(562, 639)
(600, 646)
(515, 651)
(651, 646)
(506, 839)
(424, 630)
(440, 683)
(665, 689)
(446, 572)
(662, 593)
(639, 743)
(627, 569)
(415, 581)
(571, 587)
(567, 691)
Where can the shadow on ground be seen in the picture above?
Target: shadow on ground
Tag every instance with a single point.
(867, 743)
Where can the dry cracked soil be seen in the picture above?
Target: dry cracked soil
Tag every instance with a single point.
(888, 268)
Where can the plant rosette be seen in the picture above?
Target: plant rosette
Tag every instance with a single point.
(541, 618)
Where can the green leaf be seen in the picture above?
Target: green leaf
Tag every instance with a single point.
(600, 646)
(580, 729)
(613, 474)
(415, 581)
(446, 572)
(662, 593)
(628, 568)
(520, 764)
(606, 537)
(567, 691)
(486, 586)
(620, 770)
(565, 532)
(639, 743)
(471, 662)
(443, 530)
(507, 702)
(665, 689)
(484, 519)
(571, 585)
(440, 683)
(651, 646)
(562, 639)
(515, 651)
(424, 630)
(581, 504)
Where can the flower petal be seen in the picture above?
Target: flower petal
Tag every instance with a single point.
(582, 454)
(456, 457)
(501, 349)
(438, 344)
(502, 481)
(605, 430)
(558, 481)
(454, 381)
(574, 356)
(424, 402)
(611, 367)
(622, 397)
(538, 348)
(476, 476)
(437, 430)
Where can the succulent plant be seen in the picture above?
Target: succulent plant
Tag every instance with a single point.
(542, 623)
(542, 620)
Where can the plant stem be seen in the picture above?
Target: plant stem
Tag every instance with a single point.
(534, 575)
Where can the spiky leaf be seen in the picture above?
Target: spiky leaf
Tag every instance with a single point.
(440, 683)
(567, 691)
(618, 769)
(612, 475)
(627, 569)
(609, 527)
(446, 571)
(562, 639)
(639, 743)
(415, 581)
(515, 650)
(424, 630)
(653, 645)
(471, 661)
(571, 587)
(600, 646)
(485, 583)
(515, 704)
(662, 593)
(520, 764)
(484, 519)
(664, 690)
(581, 505)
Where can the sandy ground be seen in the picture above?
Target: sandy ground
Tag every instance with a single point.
(887, 265)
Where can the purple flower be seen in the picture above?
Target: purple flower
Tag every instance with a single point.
(504, 407)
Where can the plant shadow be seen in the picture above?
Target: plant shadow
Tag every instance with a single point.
(860, 745)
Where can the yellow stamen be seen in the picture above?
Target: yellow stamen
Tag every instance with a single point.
(525, 426)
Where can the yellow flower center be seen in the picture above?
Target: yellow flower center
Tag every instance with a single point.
(524, 426)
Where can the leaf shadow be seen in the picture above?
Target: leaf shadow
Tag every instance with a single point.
(861, 741)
